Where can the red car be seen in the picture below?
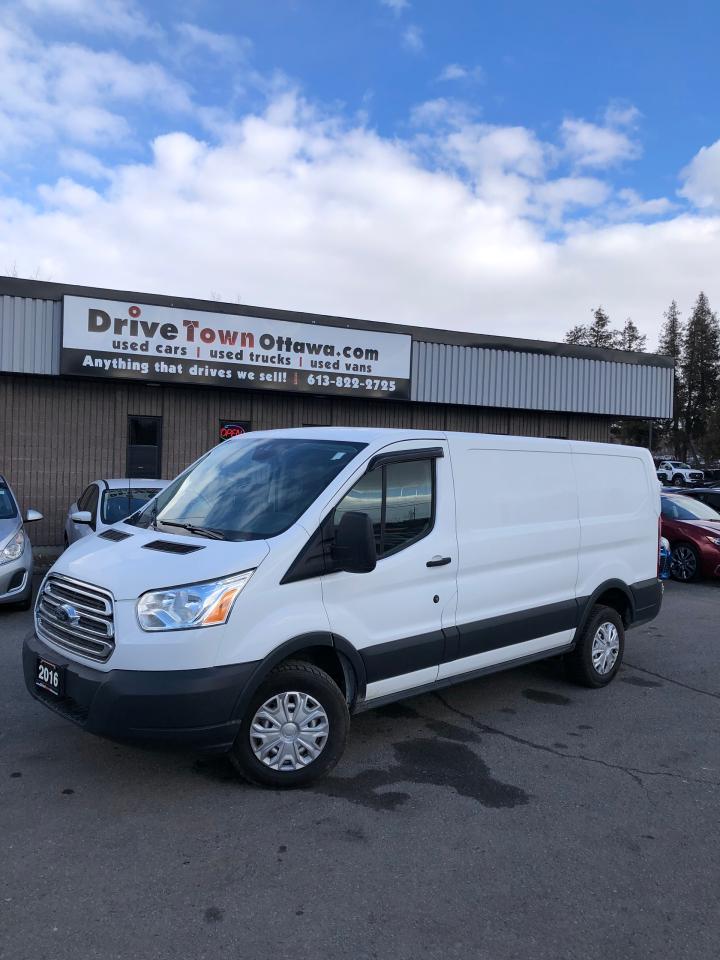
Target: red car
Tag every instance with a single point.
(693, 529)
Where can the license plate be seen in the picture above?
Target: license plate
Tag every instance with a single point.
(50, 677)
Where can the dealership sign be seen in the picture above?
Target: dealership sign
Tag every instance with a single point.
(135, 341)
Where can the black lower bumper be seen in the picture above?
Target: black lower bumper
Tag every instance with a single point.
(196, 708)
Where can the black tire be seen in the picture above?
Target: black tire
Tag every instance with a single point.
(678, 480)
(66, 542)
(294, 676)
(579, 664)
(684, 562)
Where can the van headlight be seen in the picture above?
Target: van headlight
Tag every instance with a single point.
(192, 605)
(13, 548)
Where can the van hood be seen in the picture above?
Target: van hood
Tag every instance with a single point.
(128, 568)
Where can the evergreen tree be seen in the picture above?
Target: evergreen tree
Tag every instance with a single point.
(599, 332)
(578, 335)
(671, 344)
(630, 338)
(700, 368)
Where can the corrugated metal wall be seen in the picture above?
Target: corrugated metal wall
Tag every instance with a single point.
(30, 338)
(57, 435)
(30, 335)
(442, 373)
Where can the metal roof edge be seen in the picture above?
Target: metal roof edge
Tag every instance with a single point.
(50, 290)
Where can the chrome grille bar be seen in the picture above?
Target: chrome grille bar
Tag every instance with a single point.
(77, 616)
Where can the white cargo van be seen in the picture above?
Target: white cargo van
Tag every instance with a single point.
(291, 578)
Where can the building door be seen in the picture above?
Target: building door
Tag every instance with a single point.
(144, 452)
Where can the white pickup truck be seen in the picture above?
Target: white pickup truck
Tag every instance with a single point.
(678, 474)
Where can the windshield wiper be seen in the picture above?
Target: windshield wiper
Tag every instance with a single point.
(192, 528)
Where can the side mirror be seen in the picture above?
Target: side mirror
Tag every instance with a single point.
(32, 515)
(81, 516)
(354, 547)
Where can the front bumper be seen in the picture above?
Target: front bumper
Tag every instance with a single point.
(195, 708)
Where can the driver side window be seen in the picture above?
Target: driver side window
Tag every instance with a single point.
(399, 498)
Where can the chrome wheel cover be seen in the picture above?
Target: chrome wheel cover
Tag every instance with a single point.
(289, 731)
(683, 563)
(605, 648)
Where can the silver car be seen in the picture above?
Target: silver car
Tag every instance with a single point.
(105, 502)
(16, 558)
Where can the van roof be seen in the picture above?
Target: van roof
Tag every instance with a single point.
(377, 436)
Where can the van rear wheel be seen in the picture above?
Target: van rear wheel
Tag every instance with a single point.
(294, 730)
(598, 650)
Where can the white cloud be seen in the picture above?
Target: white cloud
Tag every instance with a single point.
(220, 44)
(397, 6)
(702, 178)
(293, 208)
(594, 145)
(555, 198)
(622, 115)
(84, 163)
(73, 94)
(116, 16)
(412, 39)
(631, 204)
(456, 71)
(442, 112)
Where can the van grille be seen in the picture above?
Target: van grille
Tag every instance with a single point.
(76, 616)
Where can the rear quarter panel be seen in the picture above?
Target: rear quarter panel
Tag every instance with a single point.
(619, 502)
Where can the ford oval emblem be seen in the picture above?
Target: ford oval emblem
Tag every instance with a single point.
(67, 614)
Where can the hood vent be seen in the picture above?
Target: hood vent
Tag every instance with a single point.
(115, 535)
(168, 546)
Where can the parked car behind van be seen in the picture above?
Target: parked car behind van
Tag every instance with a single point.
(693, 529)
(291, 578)
(678, 474)
(106, 502)
(16, 557)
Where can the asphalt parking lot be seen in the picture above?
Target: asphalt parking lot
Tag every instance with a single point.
(511, 817)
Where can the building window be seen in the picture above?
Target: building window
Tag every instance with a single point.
(144, 452)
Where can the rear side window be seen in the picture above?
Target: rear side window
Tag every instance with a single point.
(399, 499)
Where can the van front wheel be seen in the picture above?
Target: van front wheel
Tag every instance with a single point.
(598, 650)
(294, 729)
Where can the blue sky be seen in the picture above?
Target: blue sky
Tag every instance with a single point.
(501, 167)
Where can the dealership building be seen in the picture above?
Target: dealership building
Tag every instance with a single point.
(99, 383)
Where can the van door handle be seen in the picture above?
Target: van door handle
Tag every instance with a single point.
(438, 562)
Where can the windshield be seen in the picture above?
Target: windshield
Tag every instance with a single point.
(249, 489)
(120, 503)
(8, 510)
(686, 508)
(680, 466)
